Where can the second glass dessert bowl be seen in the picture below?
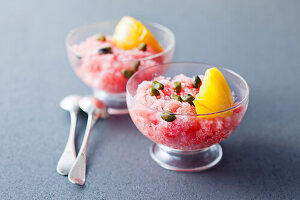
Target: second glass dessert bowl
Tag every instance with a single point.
(104, 74)
(183, 140)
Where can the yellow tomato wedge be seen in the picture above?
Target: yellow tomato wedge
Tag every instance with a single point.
(214, 95)
(130, 33)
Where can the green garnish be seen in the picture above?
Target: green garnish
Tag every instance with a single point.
(157, 85)
(142, 46)
(167, 116)
(105, 50)
(196, 81)
(127, 73)
(135, 65)
(176, 86)
(188, 98)
(176, 97)
(101, 37)
(154, 92)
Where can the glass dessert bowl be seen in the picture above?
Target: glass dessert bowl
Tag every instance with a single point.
(105, 67)
(183, 139)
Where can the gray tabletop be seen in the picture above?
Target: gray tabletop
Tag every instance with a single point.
(258, 39)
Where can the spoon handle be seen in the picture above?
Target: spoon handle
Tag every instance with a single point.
(78, 170)
(69, 155)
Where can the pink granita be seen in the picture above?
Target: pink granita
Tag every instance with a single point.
(104, 71)
(188, 131)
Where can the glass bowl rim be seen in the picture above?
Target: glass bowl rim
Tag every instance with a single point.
(246, 97)
(166, 50)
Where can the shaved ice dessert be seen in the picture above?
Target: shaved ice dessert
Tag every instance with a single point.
(186, 113)
(106, 62)
(110, 70)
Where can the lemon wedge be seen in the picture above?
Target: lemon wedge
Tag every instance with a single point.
(214, 95)
(130, 33)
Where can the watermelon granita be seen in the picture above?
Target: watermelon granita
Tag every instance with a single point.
(168, 116)
(103, 66)
(105, 62)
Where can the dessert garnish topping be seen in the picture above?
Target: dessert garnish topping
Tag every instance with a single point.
(130, 33)
(101, 37)
(167, 116)
(196, 81)
(157, 85)
(105, 50)
(188, 98)
(135, 65)
(154, 92)
(127, 73)
(214, 95)
(142, 46)
(176, 97)
(176, 86)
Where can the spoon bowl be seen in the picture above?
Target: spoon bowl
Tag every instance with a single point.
(70, 102)
(92, 105)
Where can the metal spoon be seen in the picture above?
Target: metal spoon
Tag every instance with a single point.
(71, 104)
(95, 109)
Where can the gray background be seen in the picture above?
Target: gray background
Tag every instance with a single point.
(258, 39)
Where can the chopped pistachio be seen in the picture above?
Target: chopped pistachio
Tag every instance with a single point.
(127, 73)
(105, 50)
(167, 116)
(101, 37)
(142, 46)
(135, 65)
(188, 98)
(196, 81)
(176, 97)
(157, 85)
(176, 86)
(154, 92)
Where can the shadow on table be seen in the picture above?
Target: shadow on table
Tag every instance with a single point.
(113, 125)
(259, 168)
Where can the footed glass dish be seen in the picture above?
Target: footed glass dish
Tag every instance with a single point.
(190, 142)
(104, 74)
